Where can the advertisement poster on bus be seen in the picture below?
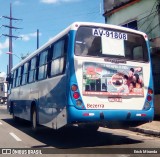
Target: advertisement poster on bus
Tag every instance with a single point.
(112, 79)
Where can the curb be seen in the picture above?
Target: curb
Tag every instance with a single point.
(145, 131)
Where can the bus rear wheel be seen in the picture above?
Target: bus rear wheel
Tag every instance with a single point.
(34, 119)
(12, 112)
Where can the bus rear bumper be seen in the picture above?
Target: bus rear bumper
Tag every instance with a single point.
(84, 116)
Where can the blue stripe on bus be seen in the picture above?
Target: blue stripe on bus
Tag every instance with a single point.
(72, 73)
(109, 115)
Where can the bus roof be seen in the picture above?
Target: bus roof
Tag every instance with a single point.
(75, 26)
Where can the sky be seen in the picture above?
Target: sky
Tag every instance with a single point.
(48, 16)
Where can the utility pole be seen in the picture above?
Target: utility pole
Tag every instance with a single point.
(37, 38)
(10, 36)
(158, 9)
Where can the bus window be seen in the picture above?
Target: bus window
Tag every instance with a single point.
(42, 67)
(24, 73)
(95, 49)
(18, 78)
(58, 58)
(32, 69)
(2, 88)
(138, 53)
(14, 78)
(107, 42)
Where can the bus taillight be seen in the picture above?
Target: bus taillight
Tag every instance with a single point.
(79, 103)
(74, 87)
(147, 106)
(149, 98)
(76, 95)
(150, 91)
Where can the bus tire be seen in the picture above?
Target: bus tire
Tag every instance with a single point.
(14, 117)
(34, 119)
(12, 112)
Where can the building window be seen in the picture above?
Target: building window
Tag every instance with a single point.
(132, 25)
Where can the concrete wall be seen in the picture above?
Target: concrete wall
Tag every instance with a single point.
(140, 11)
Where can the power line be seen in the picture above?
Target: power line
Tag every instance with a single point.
(150, 22)
(11, 36)
(158, 11)
(10, 18)
(11, 27)
(153, 28)
(148, 15)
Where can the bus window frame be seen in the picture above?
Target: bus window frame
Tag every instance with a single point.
(14, 78)
(145, 49)
(45, 65)
(34, 70)
(24, 74)
(62, 57)
(18, 77)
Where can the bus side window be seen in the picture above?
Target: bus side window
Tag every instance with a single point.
(58, 58)
(14, 78)
(32, 70)
(18, 78)
(42, 65)
(24, 73)
(2, 88)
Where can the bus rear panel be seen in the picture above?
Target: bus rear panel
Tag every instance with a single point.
(111, 79)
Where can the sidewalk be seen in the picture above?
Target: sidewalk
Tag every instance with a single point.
(151, 128)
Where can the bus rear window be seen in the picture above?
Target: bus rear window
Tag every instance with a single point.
(102, 42)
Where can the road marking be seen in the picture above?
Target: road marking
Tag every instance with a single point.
(15, 137)
(0, 123)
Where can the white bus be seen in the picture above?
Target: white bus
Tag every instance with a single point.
(3, 90)
(89, 74)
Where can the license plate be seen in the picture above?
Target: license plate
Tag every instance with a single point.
(114, 99)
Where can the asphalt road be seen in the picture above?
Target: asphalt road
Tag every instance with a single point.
(72, 141)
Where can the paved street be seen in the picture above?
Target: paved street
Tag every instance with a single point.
(72, 140)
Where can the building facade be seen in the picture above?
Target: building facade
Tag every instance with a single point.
(143, 15)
